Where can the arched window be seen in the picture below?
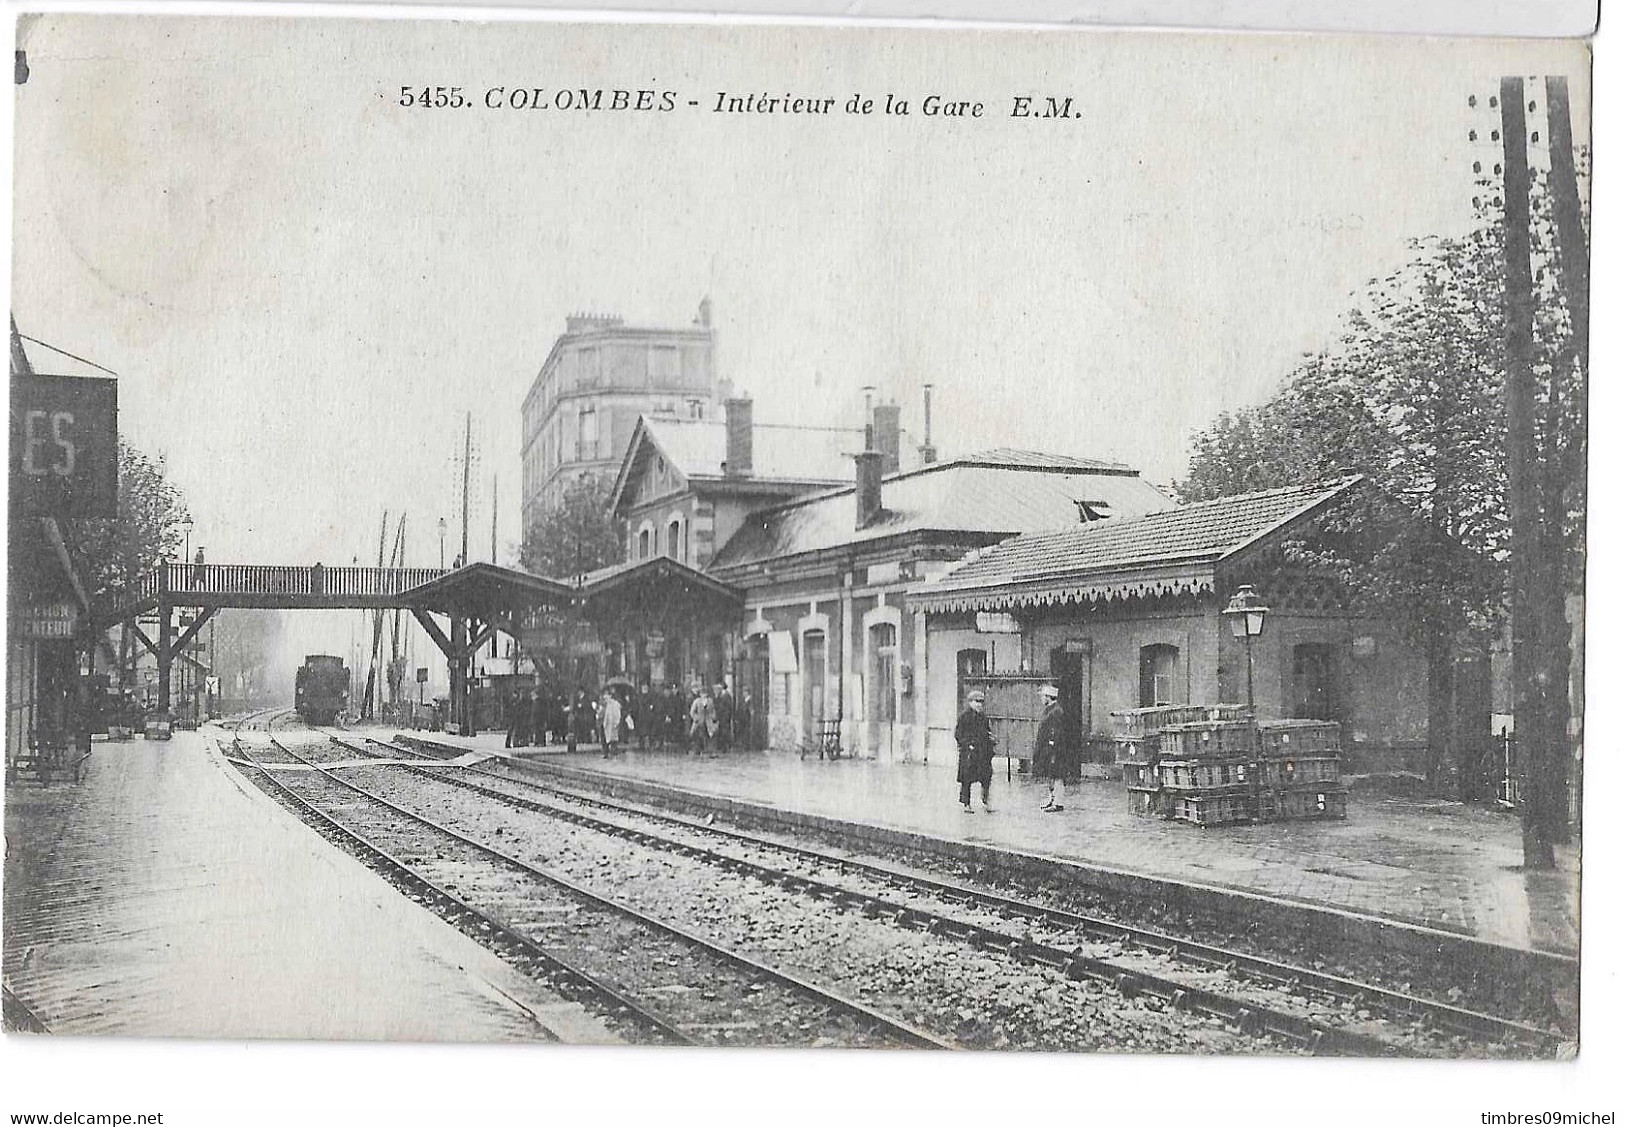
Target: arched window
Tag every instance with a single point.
(674, 539)
(1159, 675)
(643, 543)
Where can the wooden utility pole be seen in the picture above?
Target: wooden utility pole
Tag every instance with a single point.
(468, 442)
(1565, 462)
(1529, 660)
(493, 547)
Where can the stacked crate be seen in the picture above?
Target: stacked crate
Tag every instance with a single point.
(1209, 771)
(1298, 768)
(1139, 749)
(1214, 765)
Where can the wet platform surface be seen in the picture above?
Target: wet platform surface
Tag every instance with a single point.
(1432, 863)
(165, 896)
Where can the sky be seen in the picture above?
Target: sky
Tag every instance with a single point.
(303, 285)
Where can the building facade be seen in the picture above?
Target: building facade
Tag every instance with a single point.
(799, 548)
(1129, 614)
(599, 378)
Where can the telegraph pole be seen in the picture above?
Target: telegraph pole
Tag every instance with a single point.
(1564, 465)
(1529, 664)
(468, 433)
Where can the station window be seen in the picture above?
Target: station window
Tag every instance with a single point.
(1159, 675)
(643, 543)
(1313, 696)
(674, 539)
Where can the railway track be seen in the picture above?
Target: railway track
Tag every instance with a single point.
(1426, 1020)
(600, 950)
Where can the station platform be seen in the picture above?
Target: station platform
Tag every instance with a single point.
(166, 896)
(1434, 866)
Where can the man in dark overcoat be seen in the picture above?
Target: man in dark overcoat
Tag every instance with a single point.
(974, 735)
(1050, 747)
(723, 702)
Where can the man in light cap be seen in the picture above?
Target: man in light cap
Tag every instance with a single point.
(974, 735)
(1049, 746)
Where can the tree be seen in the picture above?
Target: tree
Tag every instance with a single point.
(111, 555)
(575, 535)
(1411, 397)
(245, 645)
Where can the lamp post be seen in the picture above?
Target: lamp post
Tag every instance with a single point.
(442, 524)
(1246, 614)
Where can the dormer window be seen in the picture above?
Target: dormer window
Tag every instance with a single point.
(1091, 511)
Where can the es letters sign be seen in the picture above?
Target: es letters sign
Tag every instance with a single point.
(64, 446)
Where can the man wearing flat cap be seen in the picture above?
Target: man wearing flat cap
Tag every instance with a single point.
(1049, 746)
(974, 735)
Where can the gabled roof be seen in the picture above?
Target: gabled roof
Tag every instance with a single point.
(1170, 552)
(487, 585)
(1000, 493)
(800, 457)
(611, 580)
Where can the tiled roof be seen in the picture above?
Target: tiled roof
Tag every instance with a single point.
(1033, 459)
(1187, 540)
(1003, 492)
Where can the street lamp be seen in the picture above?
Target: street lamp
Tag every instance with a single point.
(442, 523)
(186, 527)
(1246, 614)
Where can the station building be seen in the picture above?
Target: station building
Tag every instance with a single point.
(1128, 613)
(782, 559)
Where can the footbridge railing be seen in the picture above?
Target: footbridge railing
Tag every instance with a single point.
(268, 586)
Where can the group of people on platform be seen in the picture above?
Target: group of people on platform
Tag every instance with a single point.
(698, 720)
(1051, 754)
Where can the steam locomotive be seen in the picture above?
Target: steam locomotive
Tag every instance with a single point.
(321, 689)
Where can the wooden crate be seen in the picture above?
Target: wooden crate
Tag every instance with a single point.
(1147, 802)
(1134, 723)
(1299, 737)
(1141, 776)
(1204, 774)
(1210, 739)
(1290, 803)
(1303, 770)
(1137, 749)
(1213, 807)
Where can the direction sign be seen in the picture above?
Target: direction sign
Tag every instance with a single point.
(64, 446)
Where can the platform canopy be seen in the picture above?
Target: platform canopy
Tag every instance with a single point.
(489, 592)
(654, 594)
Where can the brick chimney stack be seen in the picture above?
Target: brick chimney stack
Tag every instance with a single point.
(739, 461)
(889, 436)
(869, 472)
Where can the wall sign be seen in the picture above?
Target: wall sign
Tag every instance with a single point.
(49, 620)
(64, 446)
(996, 622)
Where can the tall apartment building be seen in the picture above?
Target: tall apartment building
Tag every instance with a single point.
(600, 375)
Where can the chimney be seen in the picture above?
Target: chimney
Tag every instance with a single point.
(888, 435)
(928, 453)
(869, 472)
(739, 462)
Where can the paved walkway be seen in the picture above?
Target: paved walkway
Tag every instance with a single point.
(165, 896)
(1439, 864)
